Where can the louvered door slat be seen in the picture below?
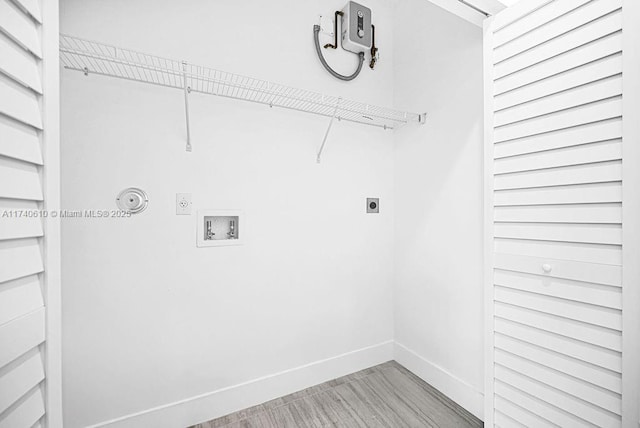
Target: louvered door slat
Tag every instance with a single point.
(572, 347)
(595, 375)
(19, 258)
(566, 232)
(595, 172)
(504, 421)
(21, 335)
(15, 225)
(575, 136)
(19, 298)
(26, 412)
(565, 269)
(19, 103)
(580, 36)
(584, 332)
(602, 398)
(26, 373)
(579, 57)
(570, 309)
(604, 193)
(553, 396)
(513, 23)
(19, 27)
(19, 141)
(576, 291)
(579, 12)
(19, 64)
(571, 251)
(588, 213)
(546, 410)
(520, 414)
(577, 116)
(585, 94)
(605, 151)
(19, 180)
(601, 69)
(31, 7)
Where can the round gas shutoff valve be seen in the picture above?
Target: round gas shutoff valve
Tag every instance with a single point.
(132, 200)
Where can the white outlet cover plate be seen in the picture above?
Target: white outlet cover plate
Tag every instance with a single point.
(183, 203)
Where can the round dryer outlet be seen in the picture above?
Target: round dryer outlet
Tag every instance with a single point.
(132, 200)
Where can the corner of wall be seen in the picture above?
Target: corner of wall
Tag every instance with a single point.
(456, 389)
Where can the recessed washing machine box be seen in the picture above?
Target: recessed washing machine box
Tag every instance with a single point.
(356, 27)
(219, 228)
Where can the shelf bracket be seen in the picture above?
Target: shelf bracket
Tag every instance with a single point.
(187, 90)
(326, 134)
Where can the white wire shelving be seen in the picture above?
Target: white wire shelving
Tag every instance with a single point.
(91, 57)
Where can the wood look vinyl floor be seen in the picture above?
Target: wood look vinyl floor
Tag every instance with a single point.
(387, 396)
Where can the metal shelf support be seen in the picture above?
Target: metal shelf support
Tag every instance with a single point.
(326, 134)
(187, 90)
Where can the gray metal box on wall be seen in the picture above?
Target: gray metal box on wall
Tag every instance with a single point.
(356, 27)
(373, 205)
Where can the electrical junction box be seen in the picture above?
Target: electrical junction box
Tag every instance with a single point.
(356, 28)
(373, 205)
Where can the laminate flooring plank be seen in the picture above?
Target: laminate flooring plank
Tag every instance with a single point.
(261, 420)
(334, 411)
(397, 402)
(313, 414)
(344, 411)
(373, 414)
(233, 418)
(383, 396)
(424, 399)
(288, 417)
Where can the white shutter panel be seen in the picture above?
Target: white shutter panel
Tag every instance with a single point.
(22, 303)
(554, 187)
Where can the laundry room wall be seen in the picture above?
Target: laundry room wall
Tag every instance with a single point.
(438, 194)
(157, 332)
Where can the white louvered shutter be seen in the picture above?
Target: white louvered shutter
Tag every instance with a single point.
(22, 297)
(554, 159)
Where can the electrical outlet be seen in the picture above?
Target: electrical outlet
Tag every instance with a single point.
(183, 203)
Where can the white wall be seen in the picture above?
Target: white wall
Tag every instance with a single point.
(438, 195)
(149, 319)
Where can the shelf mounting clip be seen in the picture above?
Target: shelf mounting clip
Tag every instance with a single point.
(187, 90)
(326, 134)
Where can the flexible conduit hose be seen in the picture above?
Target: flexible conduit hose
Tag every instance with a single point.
(316, 37)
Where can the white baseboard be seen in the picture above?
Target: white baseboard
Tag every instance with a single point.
(458, 390)
(237, 397)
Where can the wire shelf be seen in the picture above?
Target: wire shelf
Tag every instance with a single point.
(97, 58)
